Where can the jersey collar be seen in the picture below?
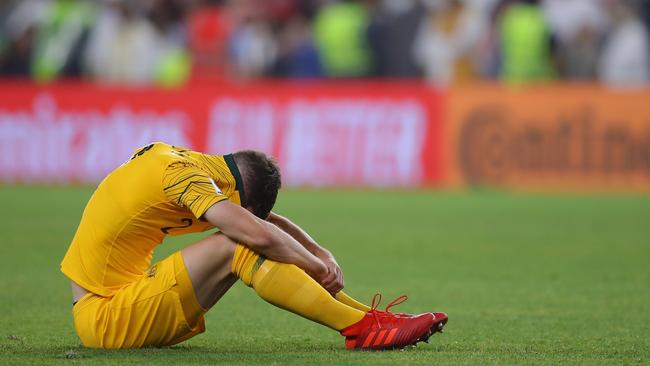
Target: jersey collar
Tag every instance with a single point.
(239, 183)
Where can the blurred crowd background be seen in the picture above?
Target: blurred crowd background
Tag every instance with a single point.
(169, 42)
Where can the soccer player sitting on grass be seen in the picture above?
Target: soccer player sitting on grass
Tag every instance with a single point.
(121, 302)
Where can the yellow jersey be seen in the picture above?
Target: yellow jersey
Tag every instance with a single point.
(161, 190)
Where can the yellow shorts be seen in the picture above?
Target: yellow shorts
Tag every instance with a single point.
(159, 309)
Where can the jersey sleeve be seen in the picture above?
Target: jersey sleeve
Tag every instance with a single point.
(188, 186)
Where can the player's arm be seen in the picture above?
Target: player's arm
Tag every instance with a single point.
(334, 280)
(264, 238)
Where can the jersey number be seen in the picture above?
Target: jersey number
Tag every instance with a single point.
(187, 222)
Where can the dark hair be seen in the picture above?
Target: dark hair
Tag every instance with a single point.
(261, 179)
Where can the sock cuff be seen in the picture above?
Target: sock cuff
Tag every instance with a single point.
(245, 264)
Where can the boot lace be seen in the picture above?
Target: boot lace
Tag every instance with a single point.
(376, 300)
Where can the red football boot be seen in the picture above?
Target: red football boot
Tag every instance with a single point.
(380, 330)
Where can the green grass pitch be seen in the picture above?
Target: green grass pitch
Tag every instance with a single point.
(526, 279)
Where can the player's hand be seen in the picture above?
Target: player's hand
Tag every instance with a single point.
(317, 270)
(333, 281)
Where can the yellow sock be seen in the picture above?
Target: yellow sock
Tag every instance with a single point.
(290, 288)
(347, 300)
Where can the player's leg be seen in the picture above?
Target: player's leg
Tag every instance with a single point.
(212, 261)
(290, 288)
(214, 277)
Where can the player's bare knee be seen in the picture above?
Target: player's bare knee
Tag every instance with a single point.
(222, 246)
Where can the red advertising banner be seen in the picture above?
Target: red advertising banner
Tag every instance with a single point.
(323, 133)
